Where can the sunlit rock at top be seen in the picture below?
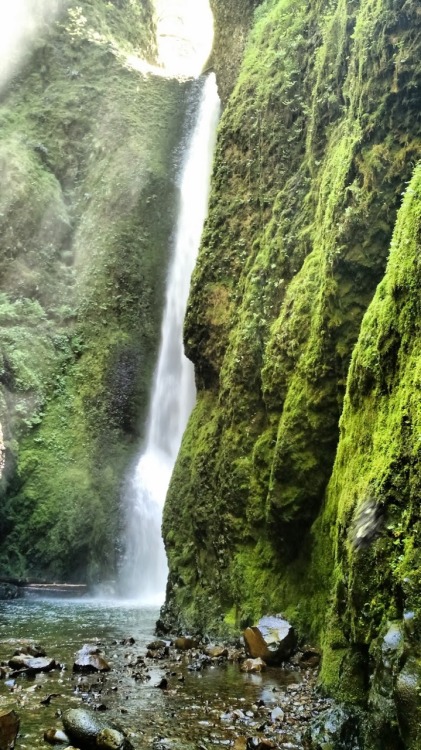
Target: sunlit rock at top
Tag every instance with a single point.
(184, 35)
(20, 23)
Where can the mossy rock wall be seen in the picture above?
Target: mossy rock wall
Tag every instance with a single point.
(89, 159)
(373, 636)
(232, 23)
(315, 147)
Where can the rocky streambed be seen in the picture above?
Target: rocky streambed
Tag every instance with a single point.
(165, 695)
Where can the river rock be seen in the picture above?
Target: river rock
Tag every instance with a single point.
(216, 652)
(111, 739)
(88, 730)
(32, 664)
(272, 639)
(253, 665)
(184, 643)
(89, 659)
(277, 714)
(156, 645)
(56, 737)
(30, 648)
(9, 727)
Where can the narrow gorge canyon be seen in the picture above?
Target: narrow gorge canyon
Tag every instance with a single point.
(297, 484)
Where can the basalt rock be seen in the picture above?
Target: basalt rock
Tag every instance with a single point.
(272, 640)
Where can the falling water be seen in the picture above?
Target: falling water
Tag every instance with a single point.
(145, 569)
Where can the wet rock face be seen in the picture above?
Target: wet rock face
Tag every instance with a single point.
(407, 702)
(9, 727)
(334, 730)
(272, 640)
(86, 729)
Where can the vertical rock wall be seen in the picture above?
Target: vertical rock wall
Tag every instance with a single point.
(88, 156)
(316, 146)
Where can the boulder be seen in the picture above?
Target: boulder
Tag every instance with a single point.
(89, 659)
(253, 665)
(88, 730)
(272, 639)
(9, 727)
(32, 664)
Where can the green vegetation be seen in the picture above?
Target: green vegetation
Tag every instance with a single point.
(87, 202)
(378, 460)
(317, 143)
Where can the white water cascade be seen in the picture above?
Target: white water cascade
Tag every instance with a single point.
(144, 572)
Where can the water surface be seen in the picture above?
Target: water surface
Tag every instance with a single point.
(186, 715)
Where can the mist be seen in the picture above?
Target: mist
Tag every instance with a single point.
(20, 23)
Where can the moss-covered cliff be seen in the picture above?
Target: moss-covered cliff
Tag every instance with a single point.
(316, 146)
(373, 498)
(88, 197)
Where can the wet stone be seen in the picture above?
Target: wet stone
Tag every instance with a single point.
(185, 643)
(273, 639)
(216, 652)
(90, 659)
(156, 645)
(9, 727)
(110, 739)
(32, 664)
(56, 737)
(253, 665)
(84, 727)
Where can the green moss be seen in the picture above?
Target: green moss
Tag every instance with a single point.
(315, 146)
(378, 454)
(87, 204)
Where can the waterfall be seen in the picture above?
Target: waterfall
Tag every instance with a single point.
(144, 571)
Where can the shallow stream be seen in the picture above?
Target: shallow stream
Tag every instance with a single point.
(200, 709)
